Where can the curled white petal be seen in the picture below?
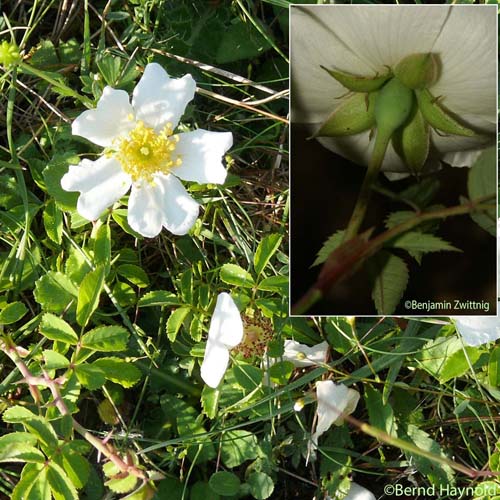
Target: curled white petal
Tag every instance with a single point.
(303, 355)
(333, 401)
(202, 152)
(109, 120)
(100, 182)
(163, 202)
(159, 99)
(477, 330)
(225, 332)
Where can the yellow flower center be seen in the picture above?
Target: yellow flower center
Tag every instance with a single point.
(144, 152)
(258, 333)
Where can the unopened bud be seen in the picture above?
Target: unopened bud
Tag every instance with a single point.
(417, 71)
(9, 53)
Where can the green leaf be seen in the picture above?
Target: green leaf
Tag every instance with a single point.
(33, 484)
(328, 247)
(281, 371)
(414, 241)
(236, 275)
(175, 322)
(210, 401)
(224, 483)
(134, 274)
(110, 67)
(201, 491)
(261, 485)
(390, 281)
(437, 473)
(248, 376)
(119, 371)
(277, 284)
(444, 358)
(90, 376)
(120, 217)
(88, 295)
(106, 339)
(266, 249)
(237, 447)
(380, 413)
(60, 484)
(159, 298)
(53, 222)
(76, 467)
(55, 328)
(54, 291)
(12, 312)
(458, 363)
(482, 182)
(494, 367)
(102, 247)
(240, 41)
(37, 425)
(124, 294)
(52, 175)
(20, 447)
(54, 360)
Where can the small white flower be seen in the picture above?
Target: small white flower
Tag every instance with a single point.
(477, 330)
(302, 355)
(333, 401)
(143, 153)
(365, 40)
(225, 332)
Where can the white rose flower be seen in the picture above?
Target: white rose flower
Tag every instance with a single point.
(367, 41)
(144, 154)
(225, 332)
(477, 330)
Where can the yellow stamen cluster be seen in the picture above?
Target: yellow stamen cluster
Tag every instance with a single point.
(258, 333)
(144, 152)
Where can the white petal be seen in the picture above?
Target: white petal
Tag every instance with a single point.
(303, 355)
(159, 99)
(468, 77)
(333, 400)
(225, 331)
(162, 202)
(357, 492)
(361, 40)
(180, 211)
(100, 182)
(214, 363)
(226, 326)
(110, 119)
(202, 152)
(477, 330)
(145, 208)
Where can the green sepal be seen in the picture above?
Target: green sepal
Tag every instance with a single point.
(393, 106)
(417, 71)
(358, 83)
(411, 142)
(354, 115)
(438, 117)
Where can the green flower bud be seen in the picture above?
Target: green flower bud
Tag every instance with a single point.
(411, 142)
(438, 117)
(417, 71)
(354, 115)
(9, 53)
(359, 83)
(392, 107)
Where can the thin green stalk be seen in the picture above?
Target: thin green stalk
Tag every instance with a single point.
(358, 214)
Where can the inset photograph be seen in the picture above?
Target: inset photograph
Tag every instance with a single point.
(393, 160)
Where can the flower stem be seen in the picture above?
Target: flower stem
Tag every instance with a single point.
(381, 141)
